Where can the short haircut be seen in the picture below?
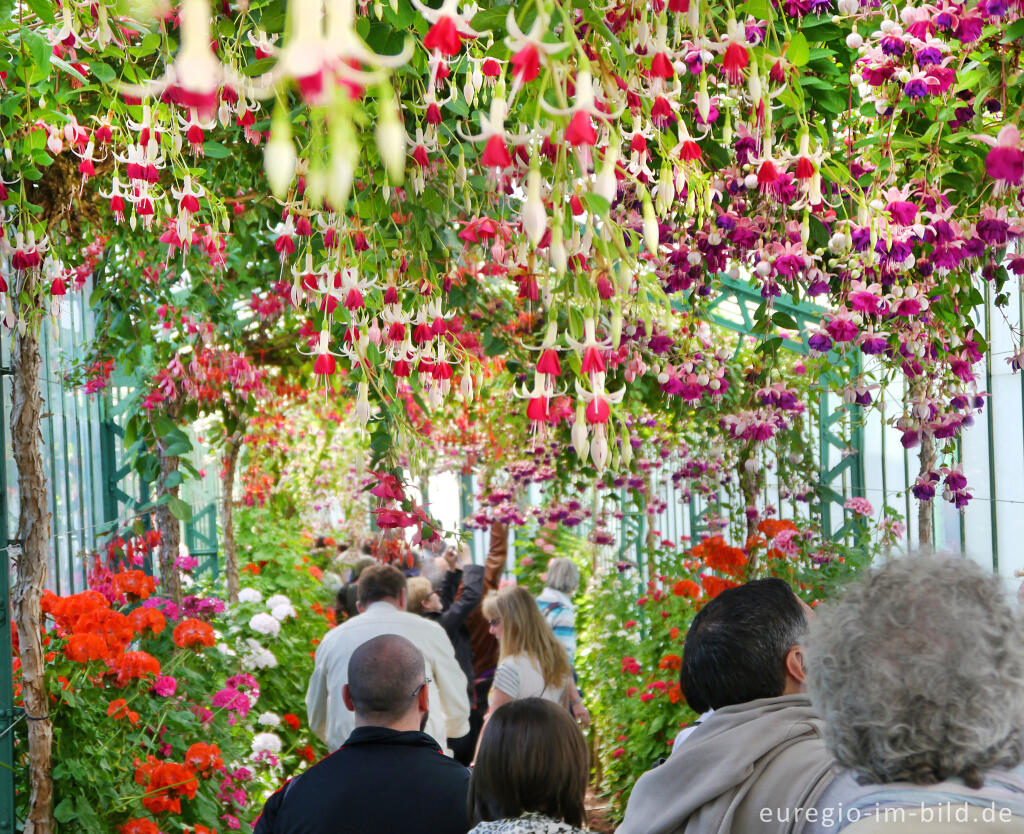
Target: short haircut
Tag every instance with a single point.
(735, 650)
(563, 575)
(382, 675)
(379, 582)
(532, 758)
(418, 588)
(918, 672)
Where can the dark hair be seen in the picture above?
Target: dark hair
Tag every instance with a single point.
(379, 582)
(532, 758)
(736, 647)
(382, 674)
(345, 601)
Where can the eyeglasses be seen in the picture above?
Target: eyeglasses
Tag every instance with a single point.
(416, 691)
(494, 623)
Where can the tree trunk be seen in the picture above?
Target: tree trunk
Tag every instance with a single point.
(234, 446)
(749, 489)
(925, 509)
(30, 563)
(170, 532)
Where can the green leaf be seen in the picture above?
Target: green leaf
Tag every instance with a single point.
(786, 321)
(178, 448)
(759, 9)
(174, 479)
(40, 51)
(179, 509)
(44, 9)
(597, 204)
(6, 8)
(496, 347)
(148, 468)
(799, 53)
(490, 20)
(60, 63)
(65, 811)
(103, 72)
(215, 150)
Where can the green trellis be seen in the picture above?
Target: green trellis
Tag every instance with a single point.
(733, 308)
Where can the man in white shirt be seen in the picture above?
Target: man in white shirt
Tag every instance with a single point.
(381, 603)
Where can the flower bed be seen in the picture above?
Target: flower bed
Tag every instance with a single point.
(185, 717)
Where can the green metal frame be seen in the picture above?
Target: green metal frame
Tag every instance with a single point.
(851, 450)
(201, 540)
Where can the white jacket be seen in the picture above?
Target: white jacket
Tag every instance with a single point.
(333, 722)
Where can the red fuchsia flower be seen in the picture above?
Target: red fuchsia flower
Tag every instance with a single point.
(1005, 162)
(448, 29)
(581, 130)
(528, 48)
(526, 64)
(736, 57)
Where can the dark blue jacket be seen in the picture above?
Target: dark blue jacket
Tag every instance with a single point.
(379, 781)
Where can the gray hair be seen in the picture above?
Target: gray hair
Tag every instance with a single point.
(382, 674)
(563, 575)
(918, 672)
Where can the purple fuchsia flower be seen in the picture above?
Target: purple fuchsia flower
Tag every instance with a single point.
(917, 85)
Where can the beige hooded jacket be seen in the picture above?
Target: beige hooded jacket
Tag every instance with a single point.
(745, 770)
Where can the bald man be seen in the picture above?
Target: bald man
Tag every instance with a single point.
(389, 775)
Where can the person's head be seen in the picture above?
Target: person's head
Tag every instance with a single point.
(381, 583)
(387, 684)
(345, 602)
(532, 758)
(563, 575)
(362, 563)
(516, 622)
(743, 645)
(918, 672)
(421, 598)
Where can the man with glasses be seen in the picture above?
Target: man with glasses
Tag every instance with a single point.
(389, 775)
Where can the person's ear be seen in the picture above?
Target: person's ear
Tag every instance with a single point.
(423, 699)
(795, 665)
(360, 608)
(402, 601)
(346, 696)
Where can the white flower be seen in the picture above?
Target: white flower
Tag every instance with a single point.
(269, 719)
(265, 624)
(276, 600)
(266, 743)
(332, 581)
(225, 650)
(250, 595)
(283, 611)
(257, 657)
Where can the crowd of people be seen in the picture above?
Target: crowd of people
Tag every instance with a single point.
(452, 706)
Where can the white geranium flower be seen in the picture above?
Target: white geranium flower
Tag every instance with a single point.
(332, 581)
(283, 611)
(269, 719)
(257, 656)
(276, 600)
(249, 595)
(265, 624)
(266, 743)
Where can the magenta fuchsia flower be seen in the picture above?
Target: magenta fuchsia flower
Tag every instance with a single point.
(1005, 162)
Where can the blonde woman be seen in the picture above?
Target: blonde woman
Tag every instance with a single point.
(531, 661)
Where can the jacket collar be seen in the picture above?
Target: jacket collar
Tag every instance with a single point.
(385, 735)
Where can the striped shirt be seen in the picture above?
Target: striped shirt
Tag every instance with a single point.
(560, 613)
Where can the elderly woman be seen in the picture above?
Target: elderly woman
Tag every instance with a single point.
(918, 672)
(555, 601)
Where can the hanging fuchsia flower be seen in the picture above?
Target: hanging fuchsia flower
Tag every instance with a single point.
(581, 130)
(526, 64)
(448, 29)
(1005, 162)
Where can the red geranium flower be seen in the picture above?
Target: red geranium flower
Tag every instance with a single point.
(193, 633)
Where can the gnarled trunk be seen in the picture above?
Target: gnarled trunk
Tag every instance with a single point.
(925, 509)
(234, 446)
(170, 532)
(30, 563)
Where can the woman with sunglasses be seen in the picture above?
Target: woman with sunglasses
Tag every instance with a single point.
(531, 661)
